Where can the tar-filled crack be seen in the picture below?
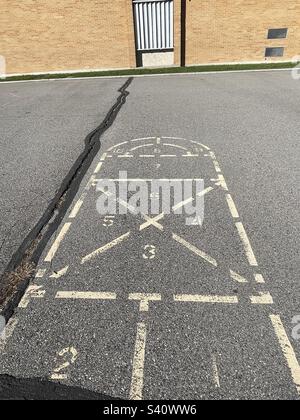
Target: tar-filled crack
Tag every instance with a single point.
(34, 244)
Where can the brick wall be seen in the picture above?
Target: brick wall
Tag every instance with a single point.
(61, 35)
(236, 30)
(58, 35)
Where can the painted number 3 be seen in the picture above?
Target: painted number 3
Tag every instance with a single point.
(149, 252)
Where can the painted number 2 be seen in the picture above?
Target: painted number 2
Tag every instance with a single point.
(69, 354)
(149, 252)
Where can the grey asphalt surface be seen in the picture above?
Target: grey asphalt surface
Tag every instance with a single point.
(251, 122)
(43, 127)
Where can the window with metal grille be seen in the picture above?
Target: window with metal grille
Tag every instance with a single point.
(277, 33)
(274, 52)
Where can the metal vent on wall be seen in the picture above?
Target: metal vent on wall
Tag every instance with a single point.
(154, 25)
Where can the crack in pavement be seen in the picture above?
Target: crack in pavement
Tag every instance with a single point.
(34, 244)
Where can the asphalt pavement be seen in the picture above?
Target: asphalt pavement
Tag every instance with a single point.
(43, 128)
(146, 307)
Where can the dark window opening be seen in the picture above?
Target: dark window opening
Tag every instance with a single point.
(277, 33)
(274, 52)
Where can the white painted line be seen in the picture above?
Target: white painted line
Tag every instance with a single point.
(264, 298)
(200, 144)
(144, 299)
(91, 183)
(259, 278)
(76, 209)
(125, 156)
(158, 140)
(195, 250)
(103, 157)
(105, 248)
(85, 295)
(142, 146)
(98, 167)
(117, 145)
(58, 377)
(147, 156)
(137, 381)
(152, 222)
(57, 242)
(142, 139)
(206, 299)
(232, 206)
(215, 162)
(9, 330)
(40, 273)
(191, 199)
(220, 182)
(176, 146)
(216, 377)
(247, 245)
(237, 277)
(168, 156)
(60, 273)
(287, 349)
(33, 291)
(190, 155)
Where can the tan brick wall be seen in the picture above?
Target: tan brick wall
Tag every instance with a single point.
(58, 35)
(177, 31)
(236, 30)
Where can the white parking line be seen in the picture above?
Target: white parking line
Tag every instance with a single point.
(264, 298)
(98, 167)
(117, 145)
(232, 206)
(191, 155)
(259, 278)
(147, 156)
(247, 245)
(105, 248)
(137, 381)
(153, 222)
(237, 277)
(287, 349)
(191, 199)
(32, 291)
(195, 250)
(40, 273)
(85, 295)
(57, 275)
(9, 330)
(216, 377)
(220, 182)
(176, 146)
(206, 299)
(57, 242)
(144, 299)
(103, 157)
(168, 156)
(76, 209)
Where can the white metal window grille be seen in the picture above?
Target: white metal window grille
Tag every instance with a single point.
(154, 24)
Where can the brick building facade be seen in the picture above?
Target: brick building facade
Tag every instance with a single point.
(67, 35)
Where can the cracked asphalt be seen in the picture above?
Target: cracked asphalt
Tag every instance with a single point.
(83, 323)
(43, 127)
